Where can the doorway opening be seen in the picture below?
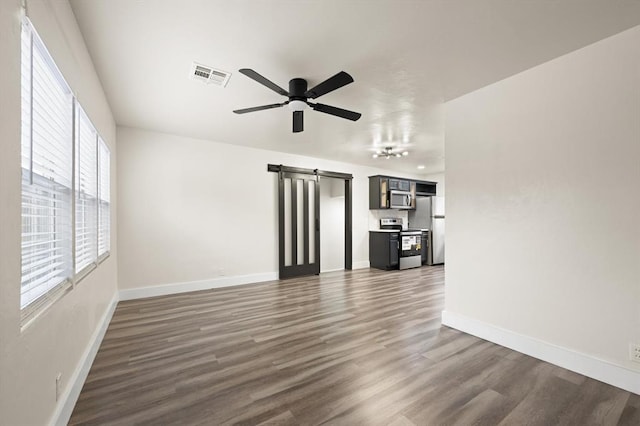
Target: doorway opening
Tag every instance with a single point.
(332, 209)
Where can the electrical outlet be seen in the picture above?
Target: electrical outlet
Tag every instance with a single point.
(634, 352)
(58, 385)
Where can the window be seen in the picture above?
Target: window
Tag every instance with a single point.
(47, 164)
(104, 197)
(86, 192)
(65, 164)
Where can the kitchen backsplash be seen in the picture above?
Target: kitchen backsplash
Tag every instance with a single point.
(376, 215)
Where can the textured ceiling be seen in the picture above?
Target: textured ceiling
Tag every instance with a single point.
(407, 59)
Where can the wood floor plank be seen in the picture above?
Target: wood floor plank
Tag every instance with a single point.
(354, 347)
(487, 408)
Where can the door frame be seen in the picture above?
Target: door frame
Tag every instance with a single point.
(348, 210)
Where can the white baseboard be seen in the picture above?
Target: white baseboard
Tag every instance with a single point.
(363, 264)
(354, 265)
(174, 288)
(331, 270)
(68, 399)
(184, 287)
(584, 364)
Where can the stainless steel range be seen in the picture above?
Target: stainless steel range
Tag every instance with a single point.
(410, 249)
(410, 243)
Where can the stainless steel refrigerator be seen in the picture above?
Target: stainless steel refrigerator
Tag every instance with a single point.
(437, 232)
(420, 218)
(429, 214)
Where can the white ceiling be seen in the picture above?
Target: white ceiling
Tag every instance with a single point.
(407, 59)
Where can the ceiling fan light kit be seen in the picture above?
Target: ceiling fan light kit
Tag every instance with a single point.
(298, 97)
(388, 152)
(297, 105)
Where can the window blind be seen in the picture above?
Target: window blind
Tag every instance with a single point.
(47, 164)
(86, 219)
(104, 197)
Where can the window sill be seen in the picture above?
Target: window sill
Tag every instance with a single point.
(103, 257)
(30, 313)
(83, 273)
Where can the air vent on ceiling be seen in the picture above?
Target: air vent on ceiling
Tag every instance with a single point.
(209, 75)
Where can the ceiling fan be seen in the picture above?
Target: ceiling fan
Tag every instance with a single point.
(298, 95)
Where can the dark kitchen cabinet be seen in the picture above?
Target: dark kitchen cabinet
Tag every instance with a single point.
(378, 192)
(399, 184)
(412, 189)
(384, 250)
(425, 188)
(380, 186)
(425, 247)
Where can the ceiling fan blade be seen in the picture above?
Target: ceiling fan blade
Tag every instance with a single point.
(259, 108)
(264, 81)
(329, 85)
(338, 112)
(298, 122)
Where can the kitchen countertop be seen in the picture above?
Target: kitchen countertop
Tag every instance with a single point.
(396, 230)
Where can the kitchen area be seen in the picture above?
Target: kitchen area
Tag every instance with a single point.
(406, 223)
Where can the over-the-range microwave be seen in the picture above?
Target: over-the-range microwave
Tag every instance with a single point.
(400, 199)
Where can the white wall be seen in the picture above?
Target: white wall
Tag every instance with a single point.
(193, 210)
(543, 202)
(55, 342)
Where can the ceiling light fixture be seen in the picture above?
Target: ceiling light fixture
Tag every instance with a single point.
(296, 105)
(388, 152)
(421, 166)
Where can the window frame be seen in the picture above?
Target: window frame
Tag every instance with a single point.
(80, 195)
(102, 144)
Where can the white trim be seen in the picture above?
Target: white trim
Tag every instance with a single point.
(68, 399)
(173, 288)
(323, 271)
(581, 363)
(363, 264)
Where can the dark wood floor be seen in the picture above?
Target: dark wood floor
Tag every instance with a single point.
(363, 347)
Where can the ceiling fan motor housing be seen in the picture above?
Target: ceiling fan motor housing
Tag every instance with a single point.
(297, 102)
(297, 89)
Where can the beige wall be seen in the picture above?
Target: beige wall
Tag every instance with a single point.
(54, 343)
(543, 201)
(193, 210)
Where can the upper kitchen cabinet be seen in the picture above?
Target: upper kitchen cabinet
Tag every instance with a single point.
(378, 192)
(388, 192)
(412, 191)
(396, 184)
(425, 188)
